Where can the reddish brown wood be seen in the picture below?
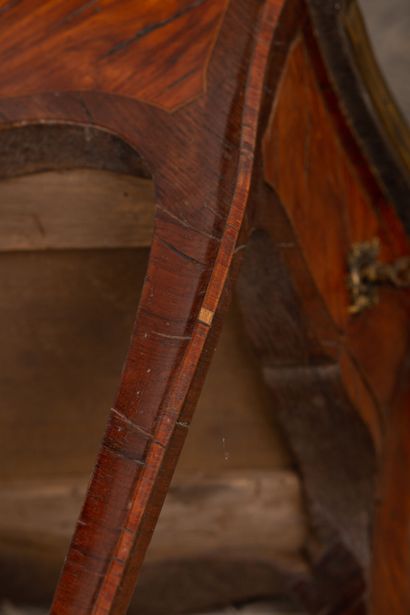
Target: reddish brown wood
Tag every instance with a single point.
(390, 575)
(341, 210)
(150, 51)
(201, 200)
(198, 88)
(323, 364)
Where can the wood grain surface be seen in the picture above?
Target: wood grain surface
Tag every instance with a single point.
(196, 232)
(340, 197)
(314, 158)
(72, 210)
(264, 510)
(152, 51)
(261, 113)
(84, 302)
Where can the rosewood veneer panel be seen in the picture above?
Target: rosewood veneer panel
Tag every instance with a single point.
(225, 103)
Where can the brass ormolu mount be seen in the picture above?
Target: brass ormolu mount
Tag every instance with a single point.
(366, 273)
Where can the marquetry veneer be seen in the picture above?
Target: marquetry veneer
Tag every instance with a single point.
(259, 132)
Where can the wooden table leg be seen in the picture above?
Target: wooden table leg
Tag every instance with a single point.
(197, 89)
(187, 275)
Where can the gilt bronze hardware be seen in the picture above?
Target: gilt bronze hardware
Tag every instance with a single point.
(367, 273)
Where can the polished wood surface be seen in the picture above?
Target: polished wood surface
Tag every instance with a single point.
(240, 113)
(79, 306)
(151, 51)
(315, 160)
(198, 218)
(340, 197)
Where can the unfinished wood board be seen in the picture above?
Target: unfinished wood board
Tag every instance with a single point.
(65, 324)
(66, 319)
(234, 427)
(247, 515)
(77, 308)
(75, 209)
(219, 539)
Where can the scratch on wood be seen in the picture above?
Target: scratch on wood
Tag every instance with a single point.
(38, 224)
(172, 337)
(186, 224)
(128, 421)
(85, 109)
(159, 443)
(214, 212)
(180, 80)
(241, 247)
(122, 45)
(87, 554)
(171, 247)
(123, 455)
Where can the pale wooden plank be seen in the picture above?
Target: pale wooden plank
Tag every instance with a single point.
(65, 322)
(246, 515)
(75, 209)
